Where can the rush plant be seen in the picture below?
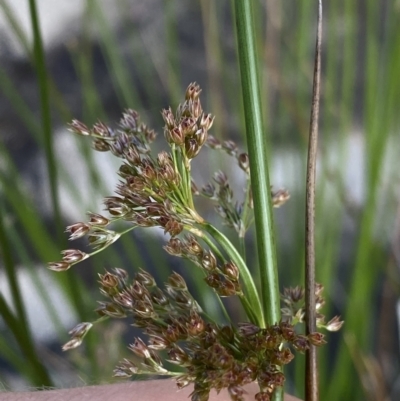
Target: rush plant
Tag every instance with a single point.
(159, 191)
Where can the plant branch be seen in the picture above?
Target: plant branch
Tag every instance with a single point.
(253, 304)
(311, 379)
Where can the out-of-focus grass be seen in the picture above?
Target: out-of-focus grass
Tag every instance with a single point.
(361, 91)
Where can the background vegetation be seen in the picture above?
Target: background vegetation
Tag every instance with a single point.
(143, 57)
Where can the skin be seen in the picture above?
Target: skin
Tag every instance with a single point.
(151, 390)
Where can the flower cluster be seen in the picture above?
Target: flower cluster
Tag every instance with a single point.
(294, 310)
(157, 191)
(237, 215)
(212, 356)
(223, 278)
(153, 191)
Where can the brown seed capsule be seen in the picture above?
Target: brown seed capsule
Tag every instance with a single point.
(176, 281)
(206, 121)
(96, 219)
(129, 120)
(192, 148)
(59, 266)
(77, 127)
(140, 348)
(145, 278)
(125, 369)
(301, 343)
(158, 343)
(192, 246)
(144, 309)
(74, 343)
(159, 298)
(80, 330)
(196, 324)
(124, 299)
(174, 247)
(220, 178)
(192, 91)
(279, 197)
(103, 130)
(116, 206)
(132, 155)
(288, 332)
(175, 135)
(244, 162)
(77, 230)
(316, 339)
(100, 145)
(177, 355)
(209, 261)
(108, 280)
(200, 136)
(231, 270)
(172, 227)
(334, 324)
(120, 273)
(73, 256)
(188, 126)
(168, 118)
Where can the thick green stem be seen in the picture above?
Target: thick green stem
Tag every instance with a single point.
(257, 148)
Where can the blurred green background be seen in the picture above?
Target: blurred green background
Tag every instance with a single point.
(91, 59)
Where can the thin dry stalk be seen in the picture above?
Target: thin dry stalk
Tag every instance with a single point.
(311, 384)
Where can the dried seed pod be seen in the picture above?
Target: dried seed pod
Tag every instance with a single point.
(77, 230)
(129, 120)
(73, 343)
(77, 127)
(108, 280)
(280, 197)
(231, 270)
(244, 162)
(192, 91)
(192, 148)
(209, 261)
(100, 145)
(145, 278)
(72, 256)
(103, 130)
(96, 219)
(140, 349)
(334, 324)
(80, 330)
(316, 339)
(206, 121)
(125, 369)
(59, 266)
(174, 247)
(168, 118)
(176, 281)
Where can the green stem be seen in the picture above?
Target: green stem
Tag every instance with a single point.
(40, 64)
(242, 248)
(256, 142)
(253, 306)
